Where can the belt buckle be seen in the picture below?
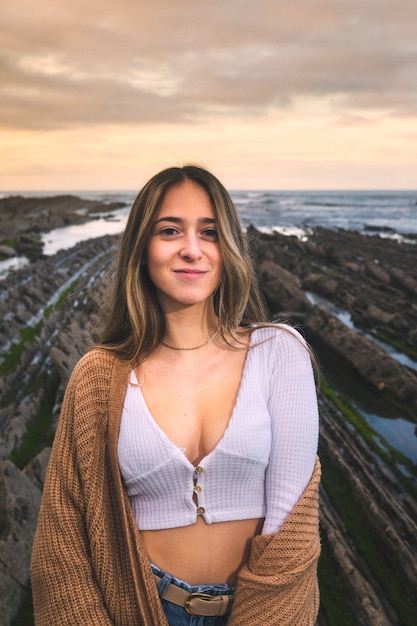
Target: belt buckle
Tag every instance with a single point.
(200, 596)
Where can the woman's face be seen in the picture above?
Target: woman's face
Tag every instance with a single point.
(183, 257)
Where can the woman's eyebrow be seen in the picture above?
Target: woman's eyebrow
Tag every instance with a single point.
(179, 220)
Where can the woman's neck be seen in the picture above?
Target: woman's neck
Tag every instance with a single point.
(190, 331)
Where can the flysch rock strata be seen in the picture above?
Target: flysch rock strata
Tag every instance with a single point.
(340, 266)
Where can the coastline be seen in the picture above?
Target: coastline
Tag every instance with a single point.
(48, 306)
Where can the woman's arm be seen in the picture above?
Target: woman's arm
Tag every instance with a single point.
(278, 586)
(65, 590)
(295, 427)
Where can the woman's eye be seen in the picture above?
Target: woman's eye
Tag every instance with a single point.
(169, 231)
(211, 233)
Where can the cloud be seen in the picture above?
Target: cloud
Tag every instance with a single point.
(71, 62)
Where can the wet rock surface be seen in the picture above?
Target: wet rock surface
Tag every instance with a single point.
(369, 492)
(23, 219)
(365, 275)
(368, 502)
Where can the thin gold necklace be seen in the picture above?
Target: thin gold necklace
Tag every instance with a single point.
(194, 347)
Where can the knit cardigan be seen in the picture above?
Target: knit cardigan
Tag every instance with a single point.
(89, 564)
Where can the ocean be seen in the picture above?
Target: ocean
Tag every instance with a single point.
(390, 214)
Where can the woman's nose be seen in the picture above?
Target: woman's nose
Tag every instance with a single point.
(191, 248)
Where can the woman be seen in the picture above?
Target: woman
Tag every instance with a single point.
(182, 486)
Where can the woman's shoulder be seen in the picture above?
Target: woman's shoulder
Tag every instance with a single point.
(94, 356)
(280, 341)
(279, 332)
(97, 362)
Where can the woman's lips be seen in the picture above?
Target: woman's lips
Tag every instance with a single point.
(190, 274)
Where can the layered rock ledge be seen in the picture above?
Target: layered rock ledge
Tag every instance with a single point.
(368, 569)
(23, 219)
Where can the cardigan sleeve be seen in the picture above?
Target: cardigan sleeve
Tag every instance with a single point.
(65, 591)
(278, 586)
(294, 423)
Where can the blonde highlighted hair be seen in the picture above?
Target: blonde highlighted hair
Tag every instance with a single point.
(135, 322)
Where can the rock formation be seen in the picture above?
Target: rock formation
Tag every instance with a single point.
(23, 219)
(368, 497)
(368, 570)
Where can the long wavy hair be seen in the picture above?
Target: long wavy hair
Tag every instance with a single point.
(135, 323)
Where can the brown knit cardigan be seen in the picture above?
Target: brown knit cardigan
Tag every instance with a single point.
(89, 565)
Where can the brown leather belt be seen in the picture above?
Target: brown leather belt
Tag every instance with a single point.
(197, 603)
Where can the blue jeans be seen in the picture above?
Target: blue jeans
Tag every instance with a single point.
(177, 615)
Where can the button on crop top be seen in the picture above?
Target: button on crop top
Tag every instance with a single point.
(258, 469)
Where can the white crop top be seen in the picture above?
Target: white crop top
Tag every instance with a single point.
(259, 468)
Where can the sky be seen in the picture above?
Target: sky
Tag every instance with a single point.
(267, 94)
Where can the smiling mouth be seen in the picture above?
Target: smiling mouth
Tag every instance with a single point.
(189, 273)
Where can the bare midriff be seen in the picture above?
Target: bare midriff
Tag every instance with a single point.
(203, 553)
